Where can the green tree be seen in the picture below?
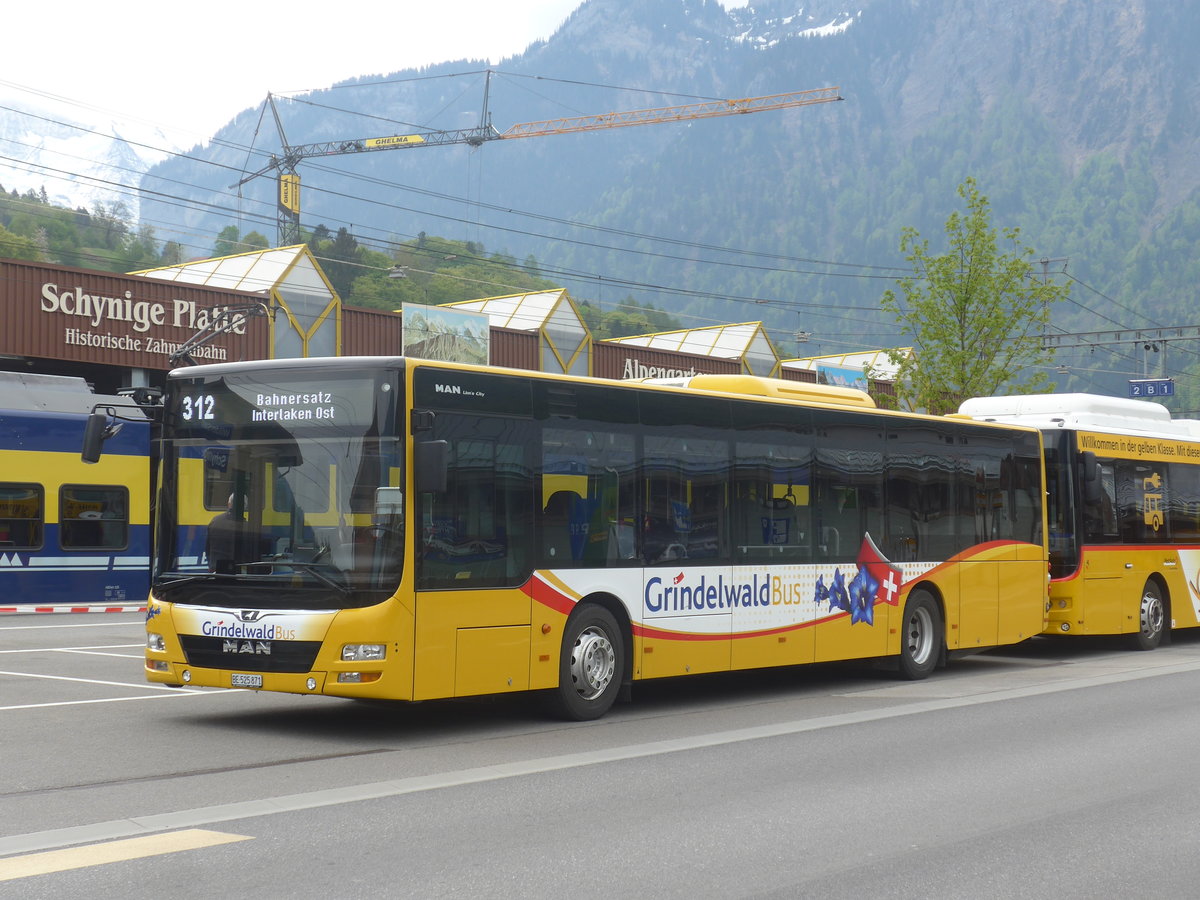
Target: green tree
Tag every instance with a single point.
(15, 246)
(974, 315)
(255, 240)
(339, 259)
(141, 250)
(172, 254)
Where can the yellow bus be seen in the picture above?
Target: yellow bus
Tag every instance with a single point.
(1124, 512)
(409, 529)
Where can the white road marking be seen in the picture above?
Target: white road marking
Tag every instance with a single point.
(175, 695)
(138, 622)
(72, 649)
(209, 815)
(140, 684)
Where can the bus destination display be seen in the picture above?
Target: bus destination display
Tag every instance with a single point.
(206, 407)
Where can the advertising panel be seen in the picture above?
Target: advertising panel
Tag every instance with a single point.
(51, 312)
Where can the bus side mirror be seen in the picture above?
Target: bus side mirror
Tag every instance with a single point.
(431, 466)
(1091, 468)
(1091, 476)
(95, 433)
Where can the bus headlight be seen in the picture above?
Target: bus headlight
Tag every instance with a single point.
(155, 642)
(360, 652)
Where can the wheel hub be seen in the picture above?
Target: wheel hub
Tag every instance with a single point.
(593, 663)
(1151, 615)
(920, 636)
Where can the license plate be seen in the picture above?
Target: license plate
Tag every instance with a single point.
(254, 681)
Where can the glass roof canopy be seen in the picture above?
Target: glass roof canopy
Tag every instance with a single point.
(293, 284)
(564, 341)
(746, 342)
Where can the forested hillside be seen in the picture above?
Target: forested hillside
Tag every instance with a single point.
(426, 270)
(1079, 121)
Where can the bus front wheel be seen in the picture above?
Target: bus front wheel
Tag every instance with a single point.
(921, 638)
(1152, 619)
(593, 658)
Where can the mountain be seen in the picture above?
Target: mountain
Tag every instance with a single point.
(1079, 121)
(78, 163)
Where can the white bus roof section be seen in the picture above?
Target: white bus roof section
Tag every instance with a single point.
(1092, 412)
(746, 341)
(566, 342)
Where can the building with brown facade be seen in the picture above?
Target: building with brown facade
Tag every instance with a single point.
(121, 331)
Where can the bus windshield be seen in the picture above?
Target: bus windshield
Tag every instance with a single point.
(280, 490)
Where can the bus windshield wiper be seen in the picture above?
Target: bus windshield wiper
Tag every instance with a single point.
(314, 569)
(178, 579)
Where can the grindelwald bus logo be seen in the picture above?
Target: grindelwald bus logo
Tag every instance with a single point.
(855, 591)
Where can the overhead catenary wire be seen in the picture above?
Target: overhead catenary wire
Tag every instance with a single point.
(738, 255)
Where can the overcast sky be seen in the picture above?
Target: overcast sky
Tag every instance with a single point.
(193, 66)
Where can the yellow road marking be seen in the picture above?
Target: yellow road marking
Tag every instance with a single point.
(113, 851)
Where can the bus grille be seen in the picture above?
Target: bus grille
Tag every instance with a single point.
(249, 656)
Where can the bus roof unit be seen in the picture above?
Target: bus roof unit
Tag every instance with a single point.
(776, 388)
(1080, 411)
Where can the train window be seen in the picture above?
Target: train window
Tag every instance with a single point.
(93, 517)
(22, 516)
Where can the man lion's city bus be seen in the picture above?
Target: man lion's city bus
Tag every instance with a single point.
(1124, 512)
(408, 529)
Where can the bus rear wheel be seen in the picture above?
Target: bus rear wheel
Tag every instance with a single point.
(1152, 619)
(592, 660)
(921, 636)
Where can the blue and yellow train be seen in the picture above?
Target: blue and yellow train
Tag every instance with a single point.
(70, 533)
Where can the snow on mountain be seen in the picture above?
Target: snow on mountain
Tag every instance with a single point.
(78, 163)
(763, 27)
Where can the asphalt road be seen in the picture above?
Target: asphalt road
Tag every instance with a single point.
(1059, 769)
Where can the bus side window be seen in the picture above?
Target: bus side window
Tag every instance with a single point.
(685, 498)
(478, 532)
(589, 492)
(1100, 506)
(1184, 507)
(847, 480)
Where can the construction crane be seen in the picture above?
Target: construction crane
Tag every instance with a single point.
(284, 164)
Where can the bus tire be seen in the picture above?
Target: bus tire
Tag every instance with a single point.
(590, 666)
(1152, 619)
(921, 636)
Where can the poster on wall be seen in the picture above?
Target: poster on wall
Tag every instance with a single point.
(842, 376)
(439, 332)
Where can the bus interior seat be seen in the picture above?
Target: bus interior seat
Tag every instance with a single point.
(830, 541)
(556, 526)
